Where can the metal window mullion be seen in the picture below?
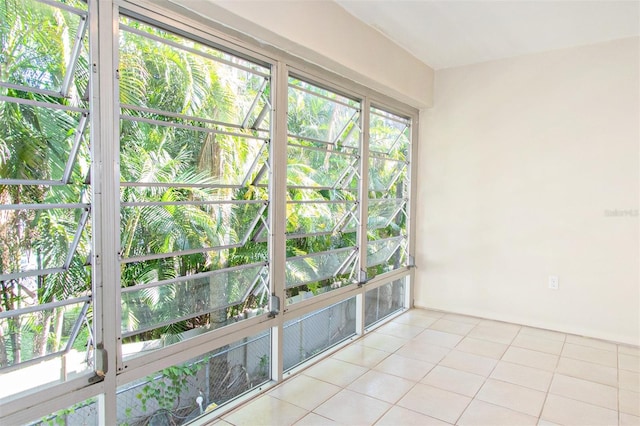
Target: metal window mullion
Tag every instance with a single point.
(105, 187)
(190, 50)
(364, 211)
(411, 212)
(73, 154)
(278, 212)
(259, 93)
(190, 127)
(75, 54)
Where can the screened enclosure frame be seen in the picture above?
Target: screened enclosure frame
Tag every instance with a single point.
(111, 368)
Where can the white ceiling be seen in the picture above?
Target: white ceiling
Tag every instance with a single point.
(451, 33)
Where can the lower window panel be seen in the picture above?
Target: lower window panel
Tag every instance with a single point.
(310, 334)
(384, 301)
(180, 393)
(84, 413)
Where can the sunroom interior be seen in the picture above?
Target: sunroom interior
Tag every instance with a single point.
(201, 198)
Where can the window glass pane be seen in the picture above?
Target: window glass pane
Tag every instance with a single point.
(191, 155)
(319, 114)
(158, 229)
(318, 216)
(47, 238)
(44, 142)
(310, 335)
(205, 82)
(383, 301)
(322, 190)
(45, 345)
(318, 167)
(383, 212)
(41, 39)
(84, 413)
(304, 272)
(179, 303)
(389, 134)
(180, 393)
(192, 207)
(380, 251)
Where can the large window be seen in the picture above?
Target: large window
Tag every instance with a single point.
(322, 190)
(193, 162)
(184, 216)
(45, 263)
(389, 185)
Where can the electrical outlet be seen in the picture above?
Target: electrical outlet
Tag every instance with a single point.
(554, 283)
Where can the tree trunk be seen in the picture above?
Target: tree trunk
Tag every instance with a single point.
(40, 342)
(16, 340)
(4, 358)
(59, 323)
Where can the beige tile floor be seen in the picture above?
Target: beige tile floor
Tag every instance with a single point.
(433, 368)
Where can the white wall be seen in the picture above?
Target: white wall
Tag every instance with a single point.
(323, 33)
(520, 163)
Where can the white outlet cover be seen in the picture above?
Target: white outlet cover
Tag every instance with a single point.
(554, 282)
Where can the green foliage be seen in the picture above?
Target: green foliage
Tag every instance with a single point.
(167, 388)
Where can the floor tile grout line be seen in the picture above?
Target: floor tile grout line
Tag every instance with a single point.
(483, 382)
(554, 373)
